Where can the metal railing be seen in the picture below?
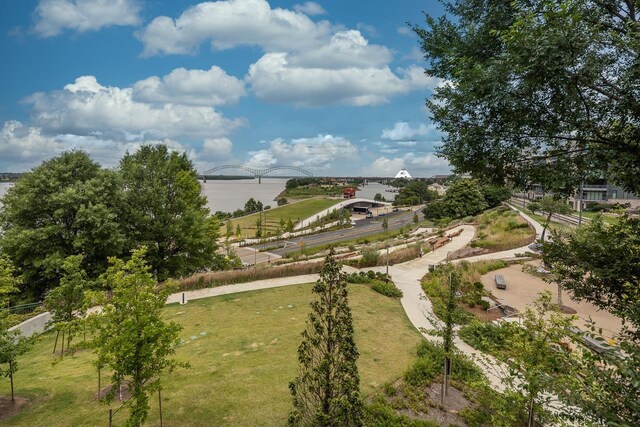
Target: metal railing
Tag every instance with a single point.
(23, 308)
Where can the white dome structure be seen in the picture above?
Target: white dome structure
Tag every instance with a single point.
(403, 174)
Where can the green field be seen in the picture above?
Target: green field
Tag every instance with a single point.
(501, 229)
(295, 212)
(242, 358)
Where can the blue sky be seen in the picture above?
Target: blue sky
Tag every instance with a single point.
(336, 87)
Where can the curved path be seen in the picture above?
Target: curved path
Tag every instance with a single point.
(407, 277)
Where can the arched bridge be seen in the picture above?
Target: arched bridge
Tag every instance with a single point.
(258, 173)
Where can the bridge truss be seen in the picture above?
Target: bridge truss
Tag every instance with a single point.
(258, 173)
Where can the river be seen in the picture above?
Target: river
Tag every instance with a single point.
(227, 196)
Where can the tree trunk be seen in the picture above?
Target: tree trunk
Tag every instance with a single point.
(546, 224)
(160, 406)
(62, 349)
(55, 345)
(11, 378)
(560, 296)
(530, 421)
(99, 386)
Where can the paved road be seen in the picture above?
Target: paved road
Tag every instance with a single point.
(363, 228)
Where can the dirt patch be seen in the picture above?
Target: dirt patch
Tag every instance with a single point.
(10, 408)
(482, 314)
(425, 404)
(121, 395)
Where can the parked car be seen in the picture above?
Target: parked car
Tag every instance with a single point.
(353, 223)
(369, 214)
(395, 209)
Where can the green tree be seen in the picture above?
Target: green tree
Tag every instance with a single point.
(131, 337)
(463, 198)
(12, 343)
(600, 263)
(537, 360)
(415, 218)
(509, 110)
(66, 206)
(326, 390)
(66, 302)
(229, 231)
(378, 197)
(551, 206)
(385, 224)
(414, 193)
(167, 213)
(282, 201)
(259, 227)
(238, 232)
(494, 195)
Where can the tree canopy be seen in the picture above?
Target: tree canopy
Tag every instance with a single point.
(414, 193)
(66, 206)
(540, 91)
(166, 212)
(130, 336)
(463, 198)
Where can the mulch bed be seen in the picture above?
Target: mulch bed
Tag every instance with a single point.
(123, 395)
(8, 408)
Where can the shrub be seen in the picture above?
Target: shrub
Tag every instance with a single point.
(484, 336)
(370, 257)
(388, 289)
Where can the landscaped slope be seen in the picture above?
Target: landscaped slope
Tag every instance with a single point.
(243, 353)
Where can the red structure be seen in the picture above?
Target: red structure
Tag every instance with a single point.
(349, 192)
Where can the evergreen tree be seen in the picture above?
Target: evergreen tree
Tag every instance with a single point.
(326, 390)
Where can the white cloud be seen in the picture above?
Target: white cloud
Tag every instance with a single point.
(214, 148)
(345, 49)
(407, 143)
(427, 165)
(230, 23)
(54, 16)
(85, 107)
(405, 30)
(383, 166)
(23, 147)
(274, 79)
(310, 8)
(403, 131)
(320, 152)
(193, 87)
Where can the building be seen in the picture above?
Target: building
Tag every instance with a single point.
(599, 191)
(403, 174)
(349, 192)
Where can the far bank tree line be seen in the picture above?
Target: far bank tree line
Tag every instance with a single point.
(71, 206)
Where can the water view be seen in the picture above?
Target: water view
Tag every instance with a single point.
(227, 196)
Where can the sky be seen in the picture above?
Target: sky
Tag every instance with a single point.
(335, 87)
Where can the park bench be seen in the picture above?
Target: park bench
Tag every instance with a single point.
(500, 283)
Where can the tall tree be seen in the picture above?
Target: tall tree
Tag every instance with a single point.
(66, 302)
(550, 206)
(130, 336)
(166, 212)
(12, 343)
(66, 206)
(463, 198)
(326, 390)
(539, 91)
(600, 263)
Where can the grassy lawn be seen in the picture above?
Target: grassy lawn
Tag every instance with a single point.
(315, 191)
(243, 352)
(295, 212)
(502, 229)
